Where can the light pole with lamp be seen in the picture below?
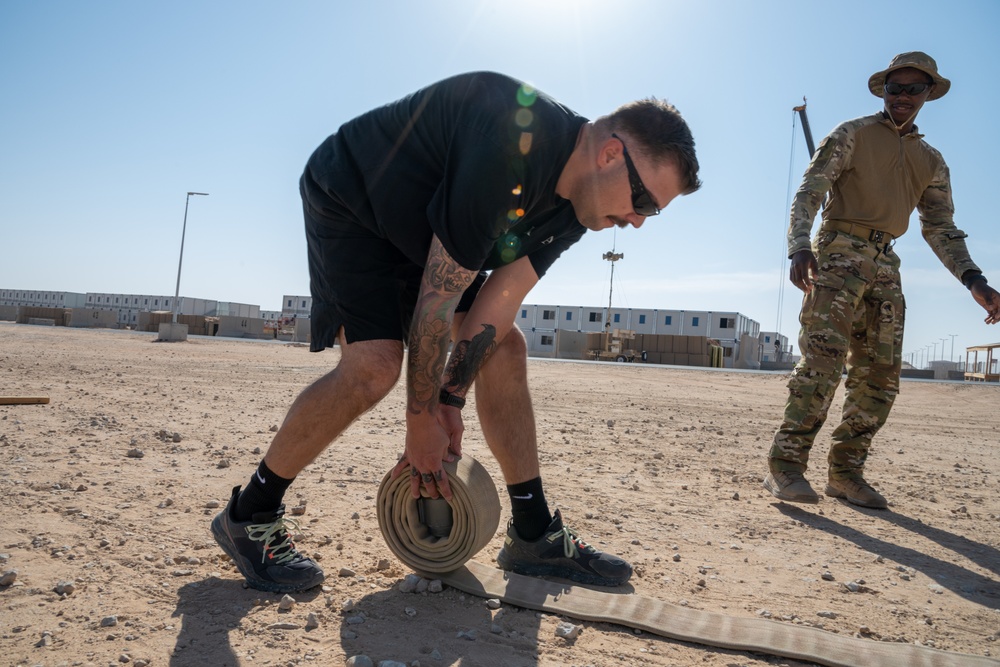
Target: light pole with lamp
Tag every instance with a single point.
(177, 292)
(953, 346)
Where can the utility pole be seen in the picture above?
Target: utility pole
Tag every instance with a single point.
(611, 257)
(953, 346)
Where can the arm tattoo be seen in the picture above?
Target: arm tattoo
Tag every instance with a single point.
(469, 356)
(442, 286)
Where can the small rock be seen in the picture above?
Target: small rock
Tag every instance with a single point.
(827, 576)
(346, 572)
(409, 583)
(223, 463)
(568, 630)
(383, 564)
(827, 614)
(354, 620)
(493, 603)
(359, 661)
(212, 504)
(135, 453)
(468, 635)
(284, 626)
(8, 577)
(65, 587)
(312, 621)
(677, 558)
(391, 663)
(348, 605)
(435, 586)
(299, 510)
(286, 604)
(410, 611)
(109, 621)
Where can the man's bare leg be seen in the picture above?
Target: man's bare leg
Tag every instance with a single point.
(504, 407)
(367, 371)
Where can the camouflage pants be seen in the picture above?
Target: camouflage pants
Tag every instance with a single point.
(853, 314)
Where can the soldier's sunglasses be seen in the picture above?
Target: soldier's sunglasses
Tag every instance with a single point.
(908, 88)
(642, 202)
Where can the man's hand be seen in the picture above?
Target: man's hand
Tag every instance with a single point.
(989, 299)
(428, 443)
(803, 268)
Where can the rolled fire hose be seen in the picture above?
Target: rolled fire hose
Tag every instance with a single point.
(438, 539)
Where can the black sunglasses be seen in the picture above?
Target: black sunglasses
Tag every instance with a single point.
(642, 202)
(908, 88)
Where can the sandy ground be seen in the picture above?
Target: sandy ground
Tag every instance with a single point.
(115, 564)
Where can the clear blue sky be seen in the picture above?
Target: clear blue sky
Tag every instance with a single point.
(110, 111)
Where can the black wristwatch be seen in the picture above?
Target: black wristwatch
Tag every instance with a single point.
(448, 398)
(973, 279)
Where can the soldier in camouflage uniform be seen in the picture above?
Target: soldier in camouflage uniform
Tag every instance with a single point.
(876, 170)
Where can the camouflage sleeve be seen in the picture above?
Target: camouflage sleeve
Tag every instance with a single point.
(936, 212)
(830, 160)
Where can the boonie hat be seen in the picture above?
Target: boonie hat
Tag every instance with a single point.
(917, 60)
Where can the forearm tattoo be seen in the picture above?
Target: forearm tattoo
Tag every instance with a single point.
(469, 356)
(430, 333)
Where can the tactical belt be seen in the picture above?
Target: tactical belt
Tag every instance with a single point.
(854, 229)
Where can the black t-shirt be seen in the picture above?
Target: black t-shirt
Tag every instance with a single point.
(473, 159)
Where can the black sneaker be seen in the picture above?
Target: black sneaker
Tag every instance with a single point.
(263, 551)
(560, 553)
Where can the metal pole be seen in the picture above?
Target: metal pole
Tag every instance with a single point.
(180, 262)
(611, 257)
(953, 346)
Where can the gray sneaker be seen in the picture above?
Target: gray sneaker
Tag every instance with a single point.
(790, 486)
(263, 551)
(560, 553)
(856, 491)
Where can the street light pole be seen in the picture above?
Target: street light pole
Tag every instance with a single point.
(611, 257)
(177, 292)
(953, 346)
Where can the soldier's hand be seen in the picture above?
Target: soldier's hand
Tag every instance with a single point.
(804, 267)
(989, 299)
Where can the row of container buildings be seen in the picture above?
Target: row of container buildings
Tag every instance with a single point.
(551, 330)
(127, 308)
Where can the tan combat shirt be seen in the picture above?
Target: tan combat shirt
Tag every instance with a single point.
(876, 178)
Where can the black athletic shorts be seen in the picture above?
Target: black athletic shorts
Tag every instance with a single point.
(359, 280)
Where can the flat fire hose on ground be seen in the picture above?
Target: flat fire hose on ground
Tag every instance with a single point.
(437, 540)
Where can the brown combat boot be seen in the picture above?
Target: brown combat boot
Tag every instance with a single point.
(856, 491)
(791, 486)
